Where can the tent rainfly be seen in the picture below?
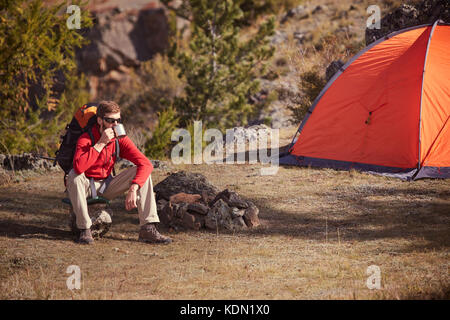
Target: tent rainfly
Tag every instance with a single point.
(387, 111)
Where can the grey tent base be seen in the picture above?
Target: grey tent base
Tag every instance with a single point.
(433, 172)
(402, 173)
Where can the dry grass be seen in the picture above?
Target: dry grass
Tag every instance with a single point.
(321, 230)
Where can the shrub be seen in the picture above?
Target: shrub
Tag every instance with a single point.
(36, 54)
(154, 86)
(159, 144)
(312, 83)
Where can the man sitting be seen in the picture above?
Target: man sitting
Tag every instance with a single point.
(97, 161)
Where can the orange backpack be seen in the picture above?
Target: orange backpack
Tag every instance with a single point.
(83, 120)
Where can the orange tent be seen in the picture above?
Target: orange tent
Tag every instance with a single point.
(386, 111)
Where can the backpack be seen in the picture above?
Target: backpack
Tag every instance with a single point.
(83, 120)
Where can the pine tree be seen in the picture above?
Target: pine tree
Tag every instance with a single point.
(158, 146)
(36, 53)
(219, 67)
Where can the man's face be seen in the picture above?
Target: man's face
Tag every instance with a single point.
(108, 121)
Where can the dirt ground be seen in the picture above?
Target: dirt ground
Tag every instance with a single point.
(321, 231)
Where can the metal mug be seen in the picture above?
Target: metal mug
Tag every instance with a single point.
(119, 130)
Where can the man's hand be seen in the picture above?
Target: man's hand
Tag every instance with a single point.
(130, 201)
(106, 137)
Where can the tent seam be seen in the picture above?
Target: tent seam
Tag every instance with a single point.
(421, 92)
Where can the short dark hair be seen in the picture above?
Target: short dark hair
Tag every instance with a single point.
(105, 107)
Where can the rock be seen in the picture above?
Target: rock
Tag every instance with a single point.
(207, 197)
(231, 198)
(219, 216)
(302, 36)
(124, 164)
(279, 37)
(408, 15)
(101, 218)
(432, 10)
(235, 200)
(191, 183)
(277, 112)
(239, 223)
(160, 204)
(179, 210)
(190, 222)
(287, 91)
(402, 17)
(199, 218)
(119, 41)
(157, 164)
(26, 161)
(333, 68)
(225, 210)
(236, 212)
(251, 216)
(317, 9)
(166, 214)
(177, 216)
(184, 197)
(101, 223)
(198, 208)
(300, 12)
(245, 135)
(123, 38)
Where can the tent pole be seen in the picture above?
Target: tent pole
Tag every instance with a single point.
(421, 93)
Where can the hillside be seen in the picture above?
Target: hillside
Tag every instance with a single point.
(308, 37)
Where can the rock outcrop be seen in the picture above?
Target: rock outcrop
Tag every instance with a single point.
(122, 37)
(408, 15)
(25, 161)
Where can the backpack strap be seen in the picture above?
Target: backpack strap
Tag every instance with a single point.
(105, 184)
(117, 154)
(117, 151)
(89, 131)
(93, 190)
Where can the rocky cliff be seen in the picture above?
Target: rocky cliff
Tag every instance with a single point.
(124, 35)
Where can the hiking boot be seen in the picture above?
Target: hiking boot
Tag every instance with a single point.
(149, 234)
(86, 236)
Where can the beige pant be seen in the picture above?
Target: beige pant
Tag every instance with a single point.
(78, 187)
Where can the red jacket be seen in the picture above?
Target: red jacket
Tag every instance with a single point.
(99, 165)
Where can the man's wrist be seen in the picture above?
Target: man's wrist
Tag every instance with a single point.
(134, 187)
